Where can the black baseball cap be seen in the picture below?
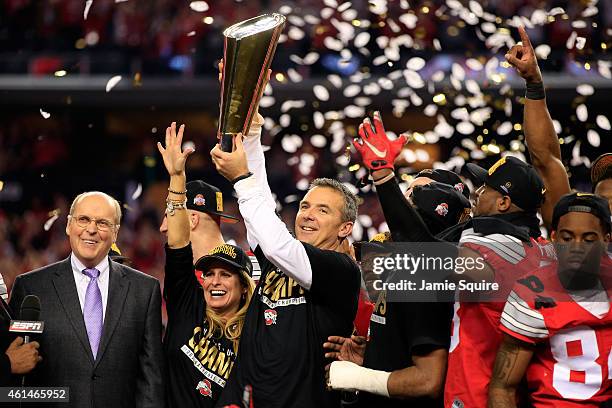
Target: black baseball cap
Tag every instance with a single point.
(514, 178)
(115, 255)
(441, 203)
(447, 177)
(207, 198)
(229, 254)
(601, 169)
(583, 202)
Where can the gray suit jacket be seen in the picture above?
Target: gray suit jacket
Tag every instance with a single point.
(128, 370)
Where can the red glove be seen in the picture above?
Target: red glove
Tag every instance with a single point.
(376, 150)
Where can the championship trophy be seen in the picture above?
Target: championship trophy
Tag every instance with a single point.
(247, 56)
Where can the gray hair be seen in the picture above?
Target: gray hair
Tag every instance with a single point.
(111, 200)
(349, 209)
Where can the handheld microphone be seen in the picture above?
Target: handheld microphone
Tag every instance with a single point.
(29, 323)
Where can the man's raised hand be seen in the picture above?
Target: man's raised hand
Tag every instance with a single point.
(376, 150)
(523, 58)
(173, 155)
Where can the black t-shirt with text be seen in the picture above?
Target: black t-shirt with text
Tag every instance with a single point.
(281, 350)
(399, 330)
(198, 367)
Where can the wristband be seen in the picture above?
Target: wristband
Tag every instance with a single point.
(384, 179)
(345, 375)
(177, 192)
(237, 179)
(535, 90)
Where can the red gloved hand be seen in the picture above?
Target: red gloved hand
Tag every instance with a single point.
(376, 150)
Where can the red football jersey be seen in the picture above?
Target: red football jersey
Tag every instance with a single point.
(475, 330)
(571, 364)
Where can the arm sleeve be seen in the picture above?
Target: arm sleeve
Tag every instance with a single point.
(431, 326)
(181, 287)
(335, 277)
(5, 368)
(271, 234)
(18, 292)
(521, 321)
(404, 223)
(150, 391)
(257, 165)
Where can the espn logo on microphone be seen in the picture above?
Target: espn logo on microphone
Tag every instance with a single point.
(26, 326)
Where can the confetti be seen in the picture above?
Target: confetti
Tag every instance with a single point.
(311, 58)
(351, 91)
(409, 20)
(318, 141)
(44, 114)
(335, 80)
(87, 7)
(593, 138)
(321, 92)
(112, 82)
(430, 110)
(602, 122)
(465, 128)
(415, 63)
(138, 191)
(585, 89)
(582, 113)
(362, 39)
(542, 51)
(199, 6)
(191, 34)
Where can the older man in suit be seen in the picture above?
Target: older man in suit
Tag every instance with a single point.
(102, 336)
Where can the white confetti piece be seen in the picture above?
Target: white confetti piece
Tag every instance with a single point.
(580, 42)
(363, 101)
(191, 34)
(476, 8)
(504, 128)
(294, 76)
(488, 28)
(352, 111)
(604, 69)
(199, 6)
(430, 110)
(569, 44)
(362, 39)
(415, 63)
(579, 24)
(465, 128)
(472, 87)
(437, 76)
(87, 7)
(291, 143)
(321, 92)
(585, 89)
(267, 101)
(331, 3)
(137, 192)
(51, 220)
(311, 58)
(443, 129)
(295, 33)
(335, 80)
(602, 122)
(413, 79)
(310, 19)
(350, 14)
(542, 51)
(458, 72)
(371, 89)
(469, 144)
(593, 138)
(539, 17)
(284, 120)
(590, 11)
(295, 20)
(326, 13)
(460, 114)
(474, 64)
(318, 141)
(409, 20)
(351, 91)
(582, 112)
(344, 6)
(44, 114)
(437, 45)
(318, 119)
(556, 11)
(292, 104)
(112, 82)
(557, 126)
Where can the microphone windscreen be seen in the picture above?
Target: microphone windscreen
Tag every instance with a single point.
(30, 308)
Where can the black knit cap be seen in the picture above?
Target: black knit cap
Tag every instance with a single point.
(447, 177)
(441, 203)
(583, 202)
(514, 178)
(207, 198)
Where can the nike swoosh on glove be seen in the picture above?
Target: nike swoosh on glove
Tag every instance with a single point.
(376, 150)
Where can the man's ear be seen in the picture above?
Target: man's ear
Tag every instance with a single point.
(194, 219)
(345, 229)
(503, 204)
(553, 236)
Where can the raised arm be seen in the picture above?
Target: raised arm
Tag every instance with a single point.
(511, 362)
(540, 135)
(262, 224)
(174, 160)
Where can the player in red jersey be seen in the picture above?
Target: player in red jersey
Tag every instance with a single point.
(558, 320)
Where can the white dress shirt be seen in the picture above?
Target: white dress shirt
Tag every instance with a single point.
(82, 280)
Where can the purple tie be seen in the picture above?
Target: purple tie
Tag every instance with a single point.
(92, 311)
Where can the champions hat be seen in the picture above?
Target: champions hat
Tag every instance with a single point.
(228, 254)
(441, 203)
(583, 202)
(447, 177)
(601, 169)
(514, 178)
(207, 198)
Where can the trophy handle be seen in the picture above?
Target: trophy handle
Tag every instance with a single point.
(226, 141)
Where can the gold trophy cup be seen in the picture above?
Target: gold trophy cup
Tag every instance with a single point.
(248, 52)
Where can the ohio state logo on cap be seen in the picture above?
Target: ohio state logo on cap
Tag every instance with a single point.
(459, 187)
(204, 388)
(442, 209)
(199, 200)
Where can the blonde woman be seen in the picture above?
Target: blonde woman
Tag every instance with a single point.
(204, 321)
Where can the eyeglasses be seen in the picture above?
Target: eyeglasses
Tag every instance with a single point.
(83, 221)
